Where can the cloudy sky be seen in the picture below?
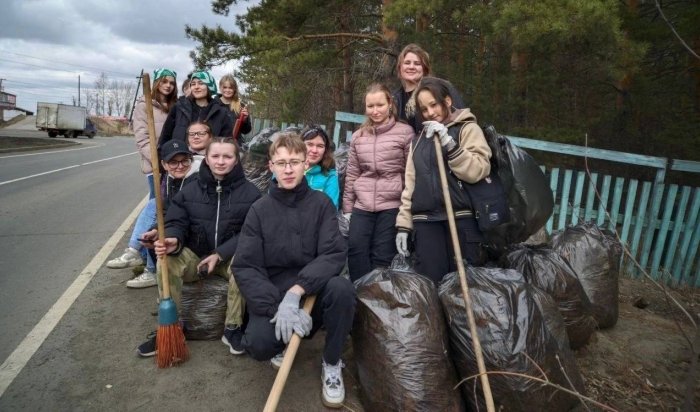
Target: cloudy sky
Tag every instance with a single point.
(46, 44)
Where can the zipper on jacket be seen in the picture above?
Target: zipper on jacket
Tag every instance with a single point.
(218, 207)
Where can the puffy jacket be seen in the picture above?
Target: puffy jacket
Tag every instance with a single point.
(289, 237)
(206, 216)
(422, 198)
(324, 182)
(376, 165)
(217, 116)
(140, 125)
(246, 127)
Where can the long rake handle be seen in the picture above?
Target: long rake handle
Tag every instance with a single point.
(155, 165)
(281, 379)
(476, 344)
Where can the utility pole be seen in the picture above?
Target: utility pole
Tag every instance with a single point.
(138, 84)
(78, 90)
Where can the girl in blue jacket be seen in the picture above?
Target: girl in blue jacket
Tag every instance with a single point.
(320, 166)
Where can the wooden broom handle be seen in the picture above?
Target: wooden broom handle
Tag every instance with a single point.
(476, 345)
(281, 379)
(155, 165)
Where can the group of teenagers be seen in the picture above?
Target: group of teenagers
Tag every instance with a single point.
(278, 248)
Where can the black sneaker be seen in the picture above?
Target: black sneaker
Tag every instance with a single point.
(148, 348)
(232, 338)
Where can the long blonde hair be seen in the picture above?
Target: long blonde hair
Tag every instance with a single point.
(235, 105)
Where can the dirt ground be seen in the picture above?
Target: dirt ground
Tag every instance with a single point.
(641, 364)
(89, 362)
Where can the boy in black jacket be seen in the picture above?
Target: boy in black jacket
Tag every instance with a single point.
(290, 247)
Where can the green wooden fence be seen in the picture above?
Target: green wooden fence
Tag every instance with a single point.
(658, 222)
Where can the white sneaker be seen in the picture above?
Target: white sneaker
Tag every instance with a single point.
(332, 385)
(144, 280)
(130, 258)
(276, 361)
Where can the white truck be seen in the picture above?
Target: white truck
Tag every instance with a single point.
(69, 121)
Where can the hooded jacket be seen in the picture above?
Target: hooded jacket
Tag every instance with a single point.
(324, 182)
(206, 216)
(289, 237)
(140, 126)
(217, 116)
(376, 166)
(468, 161)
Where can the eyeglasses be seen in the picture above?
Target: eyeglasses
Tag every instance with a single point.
(175, 163)
(199, 134)
(281, 164)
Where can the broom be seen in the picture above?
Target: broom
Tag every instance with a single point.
(281, 379)
(237, 127)
(476, 345)
(170, 339)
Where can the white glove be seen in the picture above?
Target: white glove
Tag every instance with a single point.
(347, 216)
(402, 243)
(436, 128)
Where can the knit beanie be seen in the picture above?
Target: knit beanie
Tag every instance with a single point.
(207, 79)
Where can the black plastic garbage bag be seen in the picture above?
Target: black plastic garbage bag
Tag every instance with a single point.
(520, 331)
(203, 308)
(255, 158)
(594, 254)
(543, 267)
(400, 343)
(530, 198)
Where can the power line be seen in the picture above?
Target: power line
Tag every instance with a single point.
(54, 69)
(68, 64)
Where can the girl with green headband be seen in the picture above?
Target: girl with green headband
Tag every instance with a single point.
(198, 106)
(164, 94)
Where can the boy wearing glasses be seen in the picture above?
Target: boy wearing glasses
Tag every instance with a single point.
(290, 247)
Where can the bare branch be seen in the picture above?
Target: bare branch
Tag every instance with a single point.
(663, 16)
(374, 37)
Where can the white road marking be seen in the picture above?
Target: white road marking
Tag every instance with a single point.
(54, 151)
(18, 359)
(64, 168)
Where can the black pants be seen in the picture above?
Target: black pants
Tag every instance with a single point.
(334, 308)
(433, 247)
(371, 241)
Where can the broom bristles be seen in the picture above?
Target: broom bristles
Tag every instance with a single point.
(170, 345)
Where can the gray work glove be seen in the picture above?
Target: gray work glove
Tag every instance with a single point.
(436, 128)
(402, 243)
(347, 216)
(291, 319)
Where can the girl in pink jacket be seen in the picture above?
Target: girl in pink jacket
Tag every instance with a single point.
(374, 181)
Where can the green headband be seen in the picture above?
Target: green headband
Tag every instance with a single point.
(207, 79)
(158, 73)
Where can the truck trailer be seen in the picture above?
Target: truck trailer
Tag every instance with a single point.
(62, 119)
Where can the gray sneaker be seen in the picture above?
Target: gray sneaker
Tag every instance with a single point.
(332, 385)
(130, 258)
(276, 361)
(144, 280)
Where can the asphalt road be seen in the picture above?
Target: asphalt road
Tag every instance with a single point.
(57, 209)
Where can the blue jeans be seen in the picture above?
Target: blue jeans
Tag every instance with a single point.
(145, 221)
(151, 189)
